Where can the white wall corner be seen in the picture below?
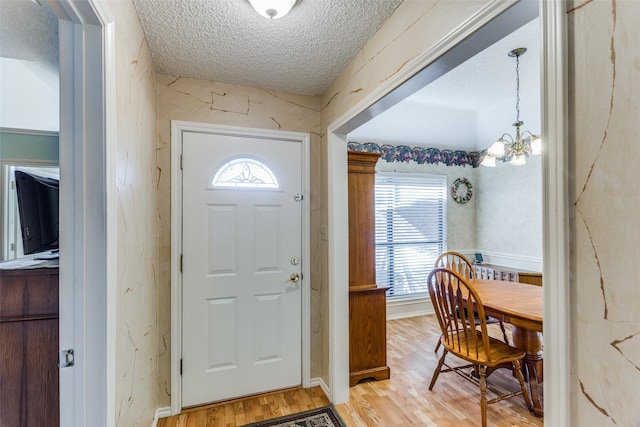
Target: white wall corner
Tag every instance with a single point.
(318, 382)
(161, 413)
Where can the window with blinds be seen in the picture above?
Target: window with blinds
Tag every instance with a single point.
(411, 230)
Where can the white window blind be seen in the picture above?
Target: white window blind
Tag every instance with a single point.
(411, 230)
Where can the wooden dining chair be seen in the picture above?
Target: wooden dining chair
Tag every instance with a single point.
(460, 264)
(452, 298)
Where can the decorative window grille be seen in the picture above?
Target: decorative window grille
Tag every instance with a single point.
(411, 230)
(245, 172)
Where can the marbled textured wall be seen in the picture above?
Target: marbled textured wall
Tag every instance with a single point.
(604, 106)
(224, 104)
(136, 317)
(604, 74)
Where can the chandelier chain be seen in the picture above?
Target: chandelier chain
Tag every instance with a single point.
(517, 88)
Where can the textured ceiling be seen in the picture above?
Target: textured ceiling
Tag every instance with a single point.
(227, 41)
(28, 32)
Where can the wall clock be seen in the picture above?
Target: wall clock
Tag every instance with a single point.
(461, 190)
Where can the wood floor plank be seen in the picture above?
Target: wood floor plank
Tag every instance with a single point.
(403, 400)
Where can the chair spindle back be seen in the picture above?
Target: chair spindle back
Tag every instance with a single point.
(454, 300)
(457, 262)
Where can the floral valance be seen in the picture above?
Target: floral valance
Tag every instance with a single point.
(420, 155)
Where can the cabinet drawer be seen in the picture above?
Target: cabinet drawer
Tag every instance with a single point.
(32, 293)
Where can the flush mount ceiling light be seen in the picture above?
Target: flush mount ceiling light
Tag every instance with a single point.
(272, 9)
(507, 148)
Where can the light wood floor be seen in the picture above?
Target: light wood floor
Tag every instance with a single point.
(403, 400)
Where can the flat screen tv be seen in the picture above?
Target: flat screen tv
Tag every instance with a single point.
(38, 207)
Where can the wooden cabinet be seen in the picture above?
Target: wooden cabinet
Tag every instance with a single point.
(367, 301)
(530, 277)
(29, 381)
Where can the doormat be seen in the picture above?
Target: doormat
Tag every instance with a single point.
(320, 417)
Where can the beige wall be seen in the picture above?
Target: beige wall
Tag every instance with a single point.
(136, 381)
(604, 106)
(210, 102)
(604, 75)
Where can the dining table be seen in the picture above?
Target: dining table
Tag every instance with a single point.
(519, 304)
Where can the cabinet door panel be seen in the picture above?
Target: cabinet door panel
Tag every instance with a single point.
(29, 383)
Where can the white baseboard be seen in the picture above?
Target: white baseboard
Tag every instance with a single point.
(161, 413)
(323, 386)
(408, 307)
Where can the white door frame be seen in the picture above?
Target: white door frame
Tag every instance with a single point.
(87, 197)
(177, 128)
(555, 205)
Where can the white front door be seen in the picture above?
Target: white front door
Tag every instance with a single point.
(242, 242)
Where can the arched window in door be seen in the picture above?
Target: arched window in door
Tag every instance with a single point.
(245, 172)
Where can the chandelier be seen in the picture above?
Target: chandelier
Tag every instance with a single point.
(507, 148)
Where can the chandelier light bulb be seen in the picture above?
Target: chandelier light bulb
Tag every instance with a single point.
(519, 160)
(272, 9)
(536, 145)
(489, 161)
(497, 149)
